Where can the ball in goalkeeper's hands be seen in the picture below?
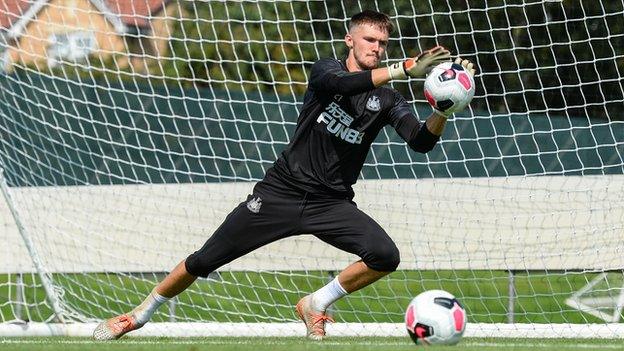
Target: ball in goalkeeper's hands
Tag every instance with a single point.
(450, 86)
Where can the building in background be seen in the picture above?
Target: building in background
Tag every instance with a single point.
(46, 33)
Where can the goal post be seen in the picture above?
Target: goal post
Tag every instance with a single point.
(130, 129)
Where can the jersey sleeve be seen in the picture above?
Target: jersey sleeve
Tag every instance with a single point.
(409, 127)
(328, 76)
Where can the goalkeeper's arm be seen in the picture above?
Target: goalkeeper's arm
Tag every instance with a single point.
(328, 75)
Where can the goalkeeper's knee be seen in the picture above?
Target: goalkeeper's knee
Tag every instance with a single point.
(382, 257)
(198, 266)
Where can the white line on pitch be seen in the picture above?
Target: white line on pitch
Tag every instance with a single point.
(190, 342)
(276, 342)
(570, 346)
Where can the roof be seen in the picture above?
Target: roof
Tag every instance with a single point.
(136, 13)
(12, 10)
(123, 14)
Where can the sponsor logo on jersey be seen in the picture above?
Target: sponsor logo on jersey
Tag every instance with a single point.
(338, 122)
(254, 204)
(373, 104)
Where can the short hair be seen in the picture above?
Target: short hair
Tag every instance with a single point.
(378, 19)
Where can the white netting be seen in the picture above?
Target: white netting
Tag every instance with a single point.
(129, 129)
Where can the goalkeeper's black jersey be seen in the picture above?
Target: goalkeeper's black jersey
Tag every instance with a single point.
(341, 116)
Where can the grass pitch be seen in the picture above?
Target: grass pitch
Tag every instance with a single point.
(271, 296)
(293, 344)
(267, 297)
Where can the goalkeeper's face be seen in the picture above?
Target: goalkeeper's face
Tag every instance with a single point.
(367, 44)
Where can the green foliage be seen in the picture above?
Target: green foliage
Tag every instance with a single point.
(560, 56)
(555, 57)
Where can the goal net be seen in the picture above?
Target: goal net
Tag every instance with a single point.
(130, 129)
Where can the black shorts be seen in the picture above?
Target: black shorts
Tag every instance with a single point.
(275, 211)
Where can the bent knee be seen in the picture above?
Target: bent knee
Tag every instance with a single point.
(198, 266)
(215, 253)
(383, 258)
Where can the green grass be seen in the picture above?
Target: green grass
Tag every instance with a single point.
(293, 344)
(270, 296)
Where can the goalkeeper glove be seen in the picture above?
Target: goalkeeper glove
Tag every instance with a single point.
(468, 66)
(420, 65)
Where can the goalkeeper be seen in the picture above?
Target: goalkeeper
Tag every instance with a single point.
(308, 189)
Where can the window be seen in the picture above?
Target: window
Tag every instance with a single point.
(70, 47)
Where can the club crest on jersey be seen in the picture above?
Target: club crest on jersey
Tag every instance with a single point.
(254, 204)
(373, 104)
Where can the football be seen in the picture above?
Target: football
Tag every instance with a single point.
(435, 317)
(449, 87)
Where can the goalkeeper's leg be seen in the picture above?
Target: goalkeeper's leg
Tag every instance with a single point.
(311, 308)
(341, 224)
(244, 230)
(174, 283)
